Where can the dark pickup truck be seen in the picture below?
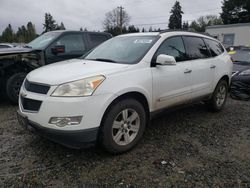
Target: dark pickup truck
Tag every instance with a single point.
(48, 48)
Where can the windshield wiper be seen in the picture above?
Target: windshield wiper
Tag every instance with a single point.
(103, 59)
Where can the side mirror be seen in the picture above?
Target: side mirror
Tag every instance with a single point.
(58, 49)
(165, 60)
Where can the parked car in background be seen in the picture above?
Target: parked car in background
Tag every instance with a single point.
(6, 45)
(111, 93)
(240, 88)
(48, 48)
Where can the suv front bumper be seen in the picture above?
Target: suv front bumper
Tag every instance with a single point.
(75, 139)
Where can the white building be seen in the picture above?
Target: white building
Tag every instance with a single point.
(231, 35)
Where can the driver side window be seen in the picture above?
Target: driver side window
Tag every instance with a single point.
(73, 43)
(174, 47)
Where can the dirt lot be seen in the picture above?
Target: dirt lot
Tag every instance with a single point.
(186, 148)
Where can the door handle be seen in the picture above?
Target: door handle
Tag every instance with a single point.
(187, 71)
(212, 67)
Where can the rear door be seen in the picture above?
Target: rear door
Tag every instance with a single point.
(200, 64)
(217, 60)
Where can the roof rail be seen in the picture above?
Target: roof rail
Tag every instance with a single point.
(170, 30)
(182, 30)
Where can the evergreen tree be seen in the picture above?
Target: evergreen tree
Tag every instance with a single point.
(150, 29)
(175, 20)
(132, 29)
(113, 30)
(21, 34)
(124, 29)
(143, 30)
(185, 26)
(235, 11)
(202, 22)
(8, 34)
(60, 27)
(31, 32)
(49, 23)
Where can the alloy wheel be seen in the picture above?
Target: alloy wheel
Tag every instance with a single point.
(125, 127)
(221, 95)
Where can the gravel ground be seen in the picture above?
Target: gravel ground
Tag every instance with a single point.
(190, 147)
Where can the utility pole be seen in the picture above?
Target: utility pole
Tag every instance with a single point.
(120, 8)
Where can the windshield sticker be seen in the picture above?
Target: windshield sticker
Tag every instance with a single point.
(143, 41)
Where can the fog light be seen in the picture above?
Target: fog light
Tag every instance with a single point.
(65, 121)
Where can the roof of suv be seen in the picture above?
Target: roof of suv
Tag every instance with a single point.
(75, 31)
(168, 32)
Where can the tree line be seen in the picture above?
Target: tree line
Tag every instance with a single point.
(25, 34)
(233, 11)
(117, 22)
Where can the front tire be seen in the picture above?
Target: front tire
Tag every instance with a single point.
(123, 126)
(13, 86)
(219, 97)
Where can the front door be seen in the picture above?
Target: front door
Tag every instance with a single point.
(172, 83)
(74, 46)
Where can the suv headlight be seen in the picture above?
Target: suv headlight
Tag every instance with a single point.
(79, 88)
(245, 73)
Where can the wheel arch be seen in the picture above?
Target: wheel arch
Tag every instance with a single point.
(226, 78)
(140, 97)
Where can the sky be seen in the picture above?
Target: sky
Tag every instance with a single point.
(90, 14)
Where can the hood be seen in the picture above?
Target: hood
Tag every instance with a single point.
(238, 67)
(5, 51)
(71, 70)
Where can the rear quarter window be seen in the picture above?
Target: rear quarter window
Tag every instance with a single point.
(195, 48)
(214, 47)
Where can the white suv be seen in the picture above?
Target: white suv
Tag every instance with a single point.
(110, 94)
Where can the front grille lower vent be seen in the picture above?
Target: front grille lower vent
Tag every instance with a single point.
(30, 104)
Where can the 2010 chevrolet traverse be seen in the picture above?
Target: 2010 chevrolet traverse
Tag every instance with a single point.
(109, 94)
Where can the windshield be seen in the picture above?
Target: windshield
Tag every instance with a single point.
(43, 40)
(123, 49)
(241, 55)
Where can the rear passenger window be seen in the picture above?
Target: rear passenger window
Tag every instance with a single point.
(174, 47)
(196, 48)
(96, 39)
(214, 47)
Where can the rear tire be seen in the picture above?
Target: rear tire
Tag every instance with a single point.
(219, 97)
(123, 126)
(13, 86)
